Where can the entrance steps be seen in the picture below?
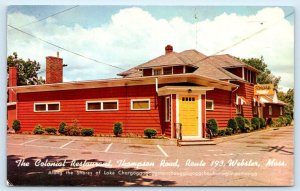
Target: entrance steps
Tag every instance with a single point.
(195, 142)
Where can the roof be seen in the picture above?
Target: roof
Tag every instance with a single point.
(117, 82)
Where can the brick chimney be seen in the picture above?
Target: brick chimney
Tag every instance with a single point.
(168, 49)
(54, 69)
(12, 81)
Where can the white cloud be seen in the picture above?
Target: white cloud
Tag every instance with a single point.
(134, 36)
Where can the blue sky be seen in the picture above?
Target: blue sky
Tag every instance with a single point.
(126, 36)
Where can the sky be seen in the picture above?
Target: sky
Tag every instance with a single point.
(126, 36)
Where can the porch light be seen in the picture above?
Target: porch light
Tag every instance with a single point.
(189, 90)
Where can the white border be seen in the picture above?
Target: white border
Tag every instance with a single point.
(131, 104)
(101, 105)
(167, 108)
(46, 103)
(213, 104)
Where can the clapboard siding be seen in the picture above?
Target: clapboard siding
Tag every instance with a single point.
(247, 91)
(73, 106)
(224, 108)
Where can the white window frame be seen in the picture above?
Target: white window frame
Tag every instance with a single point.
(133, 100)
(213, 105)
(281, 110)
(270, 110)
(46, 103)
(167, 107)
(161, 71)
(101, 105)
(239, 111)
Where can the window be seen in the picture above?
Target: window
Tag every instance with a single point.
(168, 109)
(281, 110)
(167, 70)
(156, 71)
(140, 104)
(209, 105)
(46, 107)
(109, 105)
(270, 110)
(255, 110)
(239, 109)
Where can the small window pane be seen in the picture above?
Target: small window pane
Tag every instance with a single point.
(110, 105)
(140, 104)
(209, 105)
(157, 72)
(53, 107)
(167, 70)
(40, 107)
(94, 106)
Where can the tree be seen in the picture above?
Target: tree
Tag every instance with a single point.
(265, 76)
(27, 71)
(288, 98)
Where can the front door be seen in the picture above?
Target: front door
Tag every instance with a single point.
(188, 115)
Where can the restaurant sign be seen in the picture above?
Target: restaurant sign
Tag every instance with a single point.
(264, 89)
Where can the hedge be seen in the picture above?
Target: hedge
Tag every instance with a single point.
(232, 124)
(213, 125)
(150, 132)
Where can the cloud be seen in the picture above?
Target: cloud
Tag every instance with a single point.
(134, 36)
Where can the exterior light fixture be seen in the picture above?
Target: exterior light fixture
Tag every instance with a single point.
(189, 91)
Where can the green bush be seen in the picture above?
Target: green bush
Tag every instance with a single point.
(228, 131)
(263, 123)
(62, 128)
(16, 125)
(289, 119)
(221, 132)
(232, 125)
(73, 130)
(150, 133)
(118, 129)
(213, 125)
(255, 122)
(87, 132)
(241, 123)
(51, 130)
(38, 130)
(247, 123)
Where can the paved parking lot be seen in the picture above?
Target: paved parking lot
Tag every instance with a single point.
(52, 160)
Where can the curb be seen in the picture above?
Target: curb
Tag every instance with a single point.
(126, 140)
(239, 136)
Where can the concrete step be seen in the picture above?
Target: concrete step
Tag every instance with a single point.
(195, 142)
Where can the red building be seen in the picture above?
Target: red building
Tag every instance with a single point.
(186, 87)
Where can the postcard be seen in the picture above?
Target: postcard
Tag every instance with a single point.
(121, 95)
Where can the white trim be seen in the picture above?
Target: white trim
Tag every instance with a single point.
(183, 69)
(243, 73)
(171, 115)
(101, 105)
(46, 103)
(177, 108)
(270, 110)
(131, 105)
(213, 104)
(281, 110)
(167, 107)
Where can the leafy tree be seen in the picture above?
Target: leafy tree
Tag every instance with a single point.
(27, 70)
(265, 76)
(288, 98)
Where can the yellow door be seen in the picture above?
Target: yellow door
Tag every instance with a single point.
(188, 115)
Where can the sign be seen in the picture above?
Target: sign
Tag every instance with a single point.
(264, 89)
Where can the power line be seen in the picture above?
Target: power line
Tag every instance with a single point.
(65, 10)
(250, 36)
(62, 48)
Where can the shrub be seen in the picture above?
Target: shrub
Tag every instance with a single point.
(118, 129)
(38, 129)
(62, 128)
(241, 123)
(87, 132)
(150, 133)
(51, 130)
(16, 125)
(263, 123)
(255, 122)
(228, 131)
(221, 132)
(73, 130)
(232, 125)
(213, 126)
(289, 119)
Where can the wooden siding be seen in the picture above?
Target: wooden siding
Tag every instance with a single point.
(247, 91)
(275, 111)
(236, 71)
(11, 115)
(73, 106)
(224, 108)
(147, 72)
(177, 69)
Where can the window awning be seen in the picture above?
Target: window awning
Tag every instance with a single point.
(240, 100)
